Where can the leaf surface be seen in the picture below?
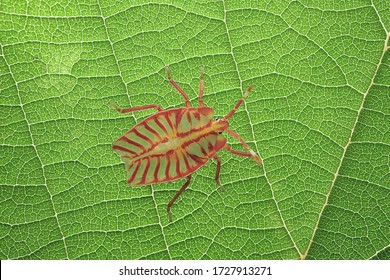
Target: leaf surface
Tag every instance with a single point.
(318, 116)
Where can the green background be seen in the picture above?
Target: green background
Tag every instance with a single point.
(318, 116)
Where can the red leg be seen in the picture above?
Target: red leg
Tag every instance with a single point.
(201, 88)
(239, 102)
(188, 178)
(237, 153)
(178, 88)
(251, 153)
(133, 109)
(218, 171)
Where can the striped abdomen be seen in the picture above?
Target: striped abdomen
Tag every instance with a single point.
(168, 145)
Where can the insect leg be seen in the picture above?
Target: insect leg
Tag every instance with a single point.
(251, 153)
(188, 179)
(133, 109)
(201, 88)
(178, 88)
(237, 153)
(231, 113)
(217, 172)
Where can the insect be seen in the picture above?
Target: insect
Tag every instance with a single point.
(174, 143)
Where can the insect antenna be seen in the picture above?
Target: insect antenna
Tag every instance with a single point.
(239, 102)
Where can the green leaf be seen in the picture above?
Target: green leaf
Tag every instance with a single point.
(318, 116)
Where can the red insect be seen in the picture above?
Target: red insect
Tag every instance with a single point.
(174, 143)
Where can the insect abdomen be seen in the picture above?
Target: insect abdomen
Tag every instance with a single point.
(168, 145)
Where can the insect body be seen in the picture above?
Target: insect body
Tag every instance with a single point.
(172, 144)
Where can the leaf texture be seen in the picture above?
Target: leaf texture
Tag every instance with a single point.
(318, 116)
